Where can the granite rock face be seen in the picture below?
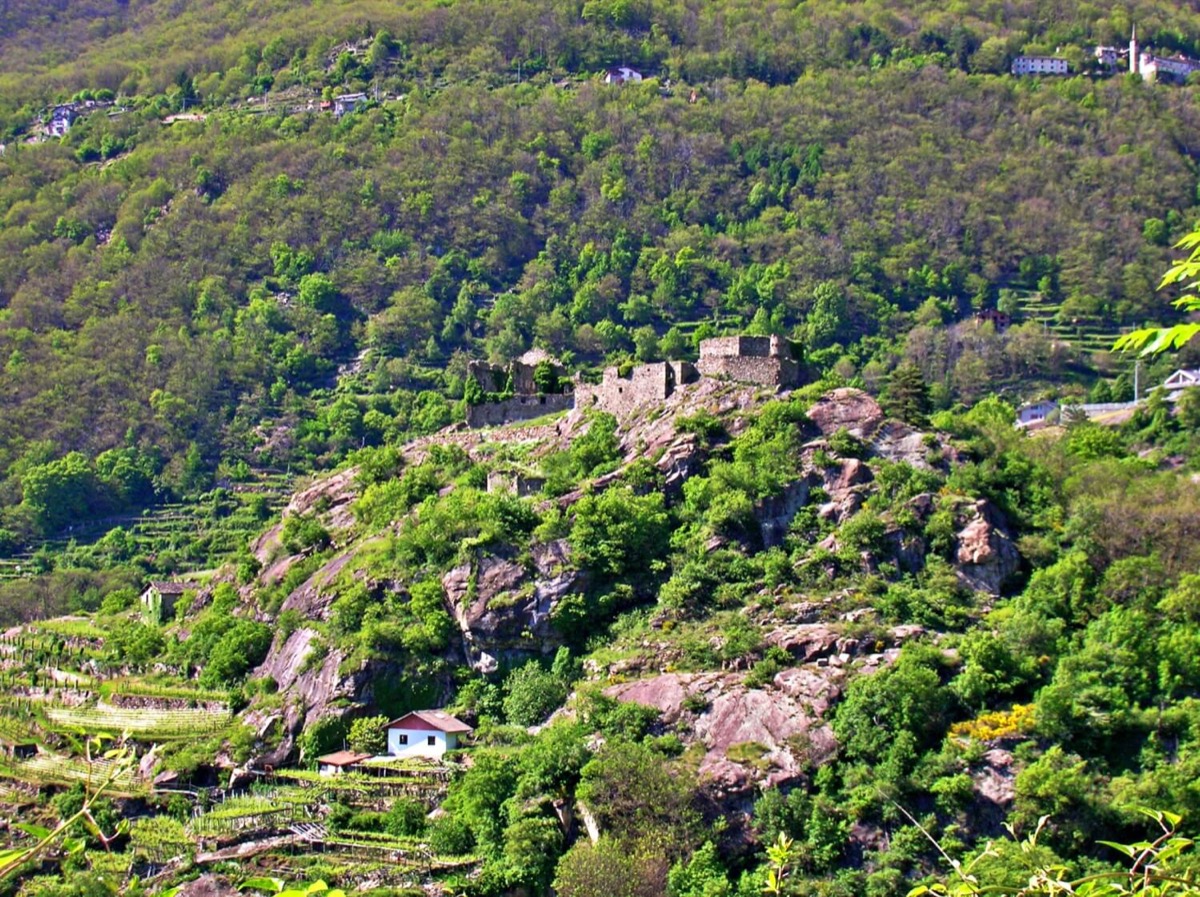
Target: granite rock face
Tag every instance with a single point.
(504, 609)
(986, 555)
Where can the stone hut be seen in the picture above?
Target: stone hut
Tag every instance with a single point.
(754, 359)
(646, 384)
(159, 600)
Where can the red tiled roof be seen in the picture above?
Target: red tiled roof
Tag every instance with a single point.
(342, 758)
(432, 719)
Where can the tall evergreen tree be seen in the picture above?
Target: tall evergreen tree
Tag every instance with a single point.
(906, 396)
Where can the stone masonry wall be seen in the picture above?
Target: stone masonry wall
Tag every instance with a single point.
(755, 359)
(646, 384)
(494, 414)
(767, 371)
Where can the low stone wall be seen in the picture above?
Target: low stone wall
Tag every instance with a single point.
(495, 414)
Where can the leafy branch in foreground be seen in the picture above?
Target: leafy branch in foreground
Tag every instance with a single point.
(1149, 874)
(1153, 340)
(14, 859)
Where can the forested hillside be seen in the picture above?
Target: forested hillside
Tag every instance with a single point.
(185, 294)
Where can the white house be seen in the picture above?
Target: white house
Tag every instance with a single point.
(1040, 65)
(1035, 412)
(622, 74)
(424, 733)
(1179, 381)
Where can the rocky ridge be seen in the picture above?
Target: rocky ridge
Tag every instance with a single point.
(503, 606)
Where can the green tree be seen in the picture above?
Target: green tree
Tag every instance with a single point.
(368, 735)
(906, 396)
(617, 533)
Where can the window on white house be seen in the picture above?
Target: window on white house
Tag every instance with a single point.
(401, 739)
(432, 740)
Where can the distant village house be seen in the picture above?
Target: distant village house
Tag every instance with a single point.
(1153, 67)
(347, 103)
(1179, 381)
(621, 75)
(1040, 65)
(1035, 412)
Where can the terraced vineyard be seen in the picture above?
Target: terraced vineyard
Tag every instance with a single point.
(175, 537)
(56, 769)
(148, 723)
(272, 810)
(1087, 336)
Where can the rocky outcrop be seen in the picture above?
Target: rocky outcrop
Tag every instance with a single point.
(995, 780)
(314, 684)
(331, 497)
(847, 409)
(773, 734)
(504, 609)
(313, 598)
(775, 515)
(986, 555)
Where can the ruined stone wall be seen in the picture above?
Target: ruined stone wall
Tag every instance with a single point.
(519, 484)
(494, 414)
(646, 384)
(768, 371)
(727, 346)
(489, 376)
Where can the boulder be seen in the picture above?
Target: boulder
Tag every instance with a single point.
(995, 781)
(986, 555)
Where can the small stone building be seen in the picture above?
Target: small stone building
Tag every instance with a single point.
(754, 359)
(159, 600)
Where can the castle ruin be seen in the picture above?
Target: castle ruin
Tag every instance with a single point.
(644, 385)
(753, 359)
(523, 396)
(766, 360)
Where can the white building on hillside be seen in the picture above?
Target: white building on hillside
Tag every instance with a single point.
(1040, 65)
(622, 74)
(1179, 381)
(424, 733)
(1035, 412)
(1153, 67)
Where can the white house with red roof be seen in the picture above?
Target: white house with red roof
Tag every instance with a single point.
(424, 733)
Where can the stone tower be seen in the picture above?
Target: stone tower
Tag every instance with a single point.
(1133, 51)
